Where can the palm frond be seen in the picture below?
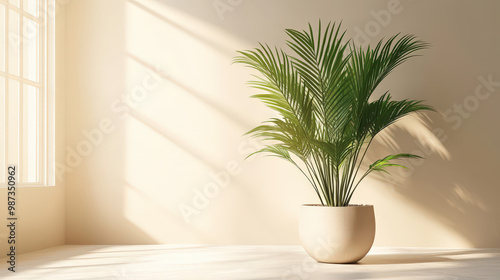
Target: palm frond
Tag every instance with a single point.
(381, 164)
(321, 92)
(383, 112)
(320, 62)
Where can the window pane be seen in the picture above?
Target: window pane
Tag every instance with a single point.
(22, 102)
(2, 37)
(31, 119)
(15, 2)
(13, 122)
(14, 42)
(30, 46)
(2, 129)
(30, 6)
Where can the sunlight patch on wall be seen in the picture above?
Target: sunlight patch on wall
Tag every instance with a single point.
(152, 218)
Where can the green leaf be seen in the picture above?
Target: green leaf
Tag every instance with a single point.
(381, 164)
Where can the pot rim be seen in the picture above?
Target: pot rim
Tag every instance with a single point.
(348, 206)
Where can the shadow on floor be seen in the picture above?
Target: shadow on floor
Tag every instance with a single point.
(414, 258)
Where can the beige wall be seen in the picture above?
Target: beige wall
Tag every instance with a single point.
(126, 182)
(41, 210)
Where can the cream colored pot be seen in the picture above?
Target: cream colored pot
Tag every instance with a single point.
(337, 234)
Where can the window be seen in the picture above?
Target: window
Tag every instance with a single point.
(25, 93)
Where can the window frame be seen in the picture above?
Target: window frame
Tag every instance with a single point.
(46, 93)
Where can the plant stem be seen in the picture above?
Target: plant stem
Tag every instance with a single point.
(310, 181)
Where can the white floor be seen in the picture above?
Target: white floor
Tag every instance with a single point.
(247, 262)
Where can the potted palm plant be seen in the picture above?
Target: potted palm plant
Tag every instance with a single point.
(322, 93)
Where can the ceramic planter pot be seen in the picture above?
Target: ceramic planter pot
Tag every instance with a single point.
(337, 234)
